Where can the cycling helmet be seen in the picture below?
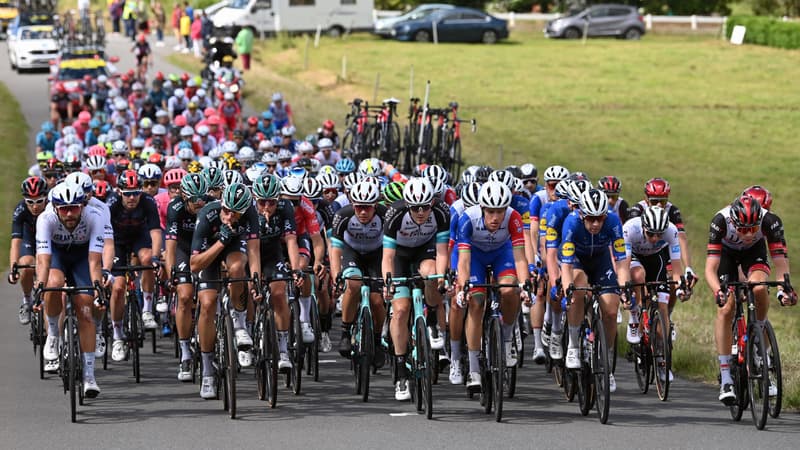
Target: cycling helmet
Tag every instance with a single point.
(267, 186)
(365, 192)
(327, 169)
(119, 147)
(438, 187)
(269, 158)
(518, 186)
(370, 167)
(594, 202)
(482, 174)
(576, 188)
(745, 211)
(562, 189)
(494, 195)
(329, 180)
(246, 154)
(345, 166)
(470, 194)
(393, 191)
(80, 179)
(325, 143)
(146, 123)
(609, 184)
(555, 173)
(214, 177)
(100, 189)
(284, 155)
(418, 191)
(503, 176)
(265, 145)
(761, 194)
(237, 198)
(159, 130)
(305, 147)
(34, 187)
(194, 167)
(528, 171)
(64, 194)
(256, 170)
(187, 131)
(468, 176)
(292, 186)
(194, 185)
(150, 172)
(288, 131)
(350, 180)
(435, 172)
(128, 180)
(120, 104)
(299, 172)
(578, 175)
(312, 188)
(656, 187)
(328, 124)
(232, 177)
(655, 219)
(113, 136)
(174, 176)
(203, 130)
(215, 153)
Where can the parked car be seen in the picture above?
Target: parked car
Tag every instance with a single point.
(453, 25)
(622, 21)
(384, 27)
(32, 47)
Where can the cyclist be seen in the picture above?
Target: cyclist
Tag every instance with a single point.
(137, 231)
(226, 231)
(312, 190)
(46, 138)
(529, 175)
(587, 235)
(356, 246)
(651, 243)
(69, 248)
(415, 237)
(23, 239)
(278, 236)
(282, 116)
(490, 234)
(150, 175)
(739, 238)
(611, 185)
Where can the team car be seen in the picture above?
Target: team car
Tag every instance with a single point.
(32, 47)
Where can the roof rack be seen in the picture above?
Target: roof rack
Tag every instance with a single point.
(80, 33)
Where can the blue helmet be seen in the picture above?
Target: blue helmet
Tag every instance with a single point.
(345, 166)
(47, 127)
(266, 115)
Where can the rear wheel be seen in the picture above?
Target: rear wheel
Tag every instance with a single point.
(660, 340)
(601, 367)
(498, 368)
(739, 375)
(632, 34)
(294, 378)
(489, 37)
(366, 353)
(774, 367)
(583, 375)
(757, 375)
(40, 338)
(312, 350)
(69, 362)
(422, 36)
(572, 33)
(106, 338)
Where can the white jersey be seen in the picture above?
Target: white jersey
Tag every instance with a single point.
(636, 242)
(102, 208)
(343, 200)
(52, 234)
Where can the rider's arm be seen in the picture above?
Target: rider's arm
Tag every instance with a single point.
(170, 256)
(203, 254)
(387, 264)
(517, 233)
(776, 244)
(717, 231)
(534, 229)
(44, 231)
(293, 250)
(464, 243)
(96, 266)
(319, 247)
(250, 219)
(677, 220)
(13, 254)
(674, 248)
(618, 251)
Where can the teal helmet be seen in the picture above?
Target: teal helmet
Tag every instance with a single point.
(267, 186)
(194, 185)
(237, 198)
(214, 177)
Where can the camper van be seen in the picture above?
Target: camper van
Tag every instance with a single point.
(271, 16)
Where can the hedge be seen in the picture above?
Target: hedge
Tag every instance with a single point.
(767, 31)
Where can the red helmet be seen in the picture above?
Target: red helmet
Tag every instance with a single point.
(125, 78)
(122, 165)
(97, 150)
(656, 187)
(185, 77)
(53, 165)
(131, 73)
(128, 180)
(101, 189)
(34, 187)
(142, 38)
(609, 185)
(745, 212)
(214, 120)
(180, 121)
(87, 78)
(761, 194)
(328, 124)
(155, 158)
(84, 116)
(60, 88)
(208, 112)
(252, 121)
(159, 76)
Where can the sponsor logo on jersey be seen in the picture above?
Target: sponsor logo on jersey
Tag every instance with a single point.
(552, 234)
(568, 249)
(619, 245)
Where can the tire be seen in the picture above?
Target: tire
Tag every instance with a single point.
(229, 365)
(758, 376)
(660, 341)
(107, 338)
(295, 377)
(570, 383)
(424, 369)
(40, 338)
(260, 353)
(457, 162)
(422, 36)
(775, 376)
(632, 34)
(335, 31)
(312, 350)
(642, 359)
(498, 367)
(572, 33)
(133, 336)
(601, 365)
(366, 352)
(583, 375)
(489, 37)
(71, 359)
(347, 143)
(272, 360)
(739, 374)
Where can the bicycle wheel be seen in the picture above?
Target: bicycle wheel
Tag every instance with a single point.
(367, 351)
(660, 340)
(312, 350)
(423, 369)
(259, 354)
(612, 354)
(347, 143)
(456, 152)
(70, 363)
(229, 365)
(393, 144)
(601, 365)
(172, 306)
(272, 359)
(583, 376)
(40, 338)
(510, 373)
(738, 370)
(219, 360)
(774, 367)
(498, 367)
(106, 326)
(294, 377)
(133, 334)
(757, 375)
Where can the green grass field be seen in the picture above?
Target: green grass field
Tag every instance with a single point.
(710, 117)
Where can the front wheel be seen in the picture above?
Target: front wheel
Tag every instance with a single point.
(774, 367)
(757, 375)
(423, 369)
(632, 34)
(601, 367)
(229, 365)
(422, 36)
(489, 37)
(366, 352)
(70, 359)
(660, 340)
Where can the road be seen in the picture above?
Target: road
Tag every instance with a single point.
(164, 413)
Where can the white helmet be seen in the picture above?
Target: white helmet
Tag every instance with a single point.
(438, 186)
(119, 147)
(350, 180)
(187, 131)
(325, 143)
(232, 177)
(494, 195)
(186, 153)
(66, 194)
(284, 155)
(555, 173)
(435, 172)
(304, 147)
(81, 179)
(365, 192)
(96, 162)
(149, 172)
(370, 167)
(172, 162)
(204, 161)
(504, 177)
(418, 191)
(312, 188)
(255, 171)
(655, 219)
(68, 130)
(329, 180)
(203, 130)
(470, 194)
(269, 158)
(215, 153)
(245, 154)
(292, 186)
(594, 202)
(265, 145)
(576, 188)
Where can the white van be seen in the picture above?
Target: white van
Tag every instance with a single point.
(271, 16)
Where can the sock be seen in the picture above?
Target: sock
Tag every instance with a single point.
(283, 340)
(52, 326)
(557, 327)
(537, 337)
(508, 332)
(400, 361)
(186, 352)
(325, 322)
(455, 349)
(26, 298)
(88, 366)
(148, 301)
(432, 319)
(573, 336)
(239, 319)
(208, 364)
(548, 312)
(305, 306)
(725, 369)
(474, 363)
(117, 325)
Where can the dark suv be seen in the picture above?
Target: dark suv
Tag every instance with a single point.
(598, 20)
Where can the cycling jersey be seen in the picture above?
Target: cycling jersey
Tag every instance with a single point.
(342, 200)
(280, 116)
(132, 224)
(723, 235)
(47, 145)
(52, 235)
(472, 232)
(206, 232)
(104, 211)
(456, 210)
(620, 208)
(673, 213)
(180, 223)
(23, 226)
(348, 231)
(578, 243)
(557, 212)
(521, 205)
(271, 232)
(305, 217)
(401, 230)
(636, 243)
(538, 199)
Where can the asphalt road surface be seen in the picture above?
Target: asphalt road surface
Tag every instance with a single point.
(164, 413)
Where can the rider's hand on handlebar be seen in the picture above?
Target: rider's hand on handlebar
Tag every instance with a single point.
(691, 277)
(787, 299)
(298, 278)
(13, 277)
(721, 297)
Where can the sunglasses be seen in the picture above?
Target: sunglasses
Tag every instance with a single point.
(594, 219)
(69, 209)
(330, 191)
(552, 184)
(151, 183)
(656, 200)
(51, 175)
(38, 201)
(187, 160)
(529, 181)
(420, 208)
(174, 187)
(363, 207)
(267, 202)
(747, 230)
(651, 234)
(226, 210)
(613, 196)
(131, 193)
(271, 166)
(96, 172)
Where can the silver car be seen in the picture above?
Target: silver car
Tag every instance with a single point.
(622, 21)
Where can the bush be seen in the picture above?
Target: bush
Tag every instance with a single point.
(767, 31)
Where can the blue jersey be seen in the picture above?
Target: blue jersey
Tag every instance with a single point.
(521, 205)
(557, 212)
(537, 200)
(579, 244)
(544, 211)
(47, 145)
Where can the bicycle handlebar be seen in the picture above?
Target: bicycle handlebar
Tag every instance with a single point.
(725, 284)
(393, 282)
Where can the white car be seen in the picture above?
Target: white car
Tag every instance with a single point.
(32, 47)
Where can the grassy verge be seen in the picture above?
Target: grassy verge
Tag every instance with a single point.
(13, 161)
(689, 108)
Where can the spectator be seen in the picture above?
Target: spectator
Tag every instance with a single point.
(186, 27)
(176, 24)
(142, 18)
(197, 35)
(115, 10)
(188, 8)
(208, 29)
(160, 18)
(244, 45)
(83, 8)
(129, 16)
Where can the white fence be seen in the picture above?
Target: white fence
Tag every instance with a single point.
(693, 21)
